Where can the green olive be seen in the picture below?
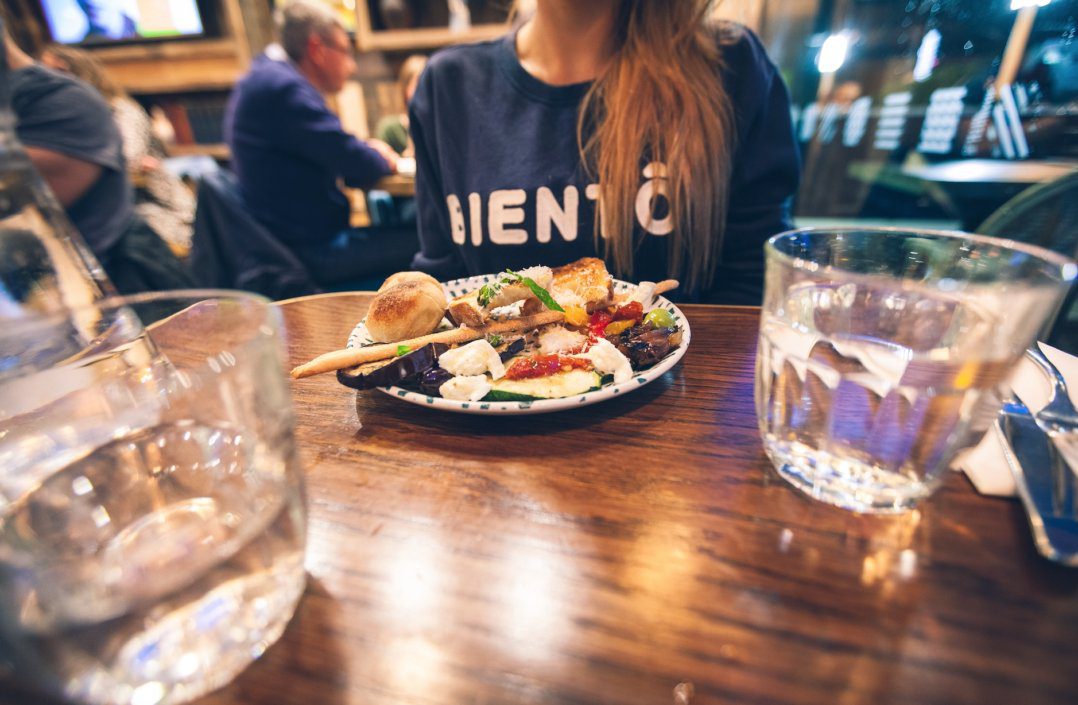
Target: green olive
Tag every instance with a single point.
(660, 318)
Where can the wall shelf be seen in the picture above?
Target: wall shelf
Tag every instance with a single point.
(425, 37)
(419, 38)
(183, 65)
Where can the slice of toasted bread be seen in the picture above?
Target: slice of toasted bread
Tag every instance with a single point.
(587, 279)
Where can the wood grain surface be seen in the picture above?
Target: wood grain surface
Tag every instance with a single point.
(609, 553)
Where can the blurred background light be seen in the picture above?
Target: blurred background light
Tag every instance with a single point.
(833, 53)
(1019, 4)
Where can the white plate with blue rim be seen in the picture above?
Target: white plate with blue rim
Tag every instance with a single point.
(457, 287)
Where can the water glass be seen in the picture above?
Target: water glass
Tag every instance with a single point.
(879, 348)
(152, 518)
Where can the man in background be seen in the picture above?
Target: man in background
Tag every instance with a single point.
(290, 152)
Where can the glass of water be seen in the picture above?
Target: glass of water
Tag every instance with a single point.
(879, 349)
(152, 517)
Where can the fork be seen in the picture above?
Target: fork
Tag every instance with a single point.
(1058, 418)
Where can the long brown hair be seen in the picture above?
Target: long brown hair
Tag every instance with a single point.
(662, 99)
(83, 65)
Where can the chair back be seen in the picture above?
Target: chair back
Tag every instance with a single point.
(231, 249)
(1046, 215)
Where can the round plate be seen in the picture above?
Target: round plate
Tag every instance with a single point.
(457, 287)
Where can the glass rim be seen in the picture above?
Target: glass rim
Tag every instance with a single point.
(1066, 267)
(113, 302)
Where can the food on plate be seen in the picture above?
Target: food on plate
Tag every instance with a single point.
(402, 277)
(560, 359)
(583, 337)
(385, 373)
(350, 357)
(476, 358)
(408, 304)
(585, 285)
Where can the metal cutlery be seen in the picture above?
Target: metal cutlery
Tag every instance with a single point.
(1058, 418)
(1038, 471)
(1042, 453)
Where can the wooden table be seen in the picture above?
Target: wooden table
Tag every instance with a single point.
(397, 185)
(607, 554)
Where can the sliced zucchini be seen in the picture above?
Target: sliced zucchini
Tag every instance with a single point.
(563, 384)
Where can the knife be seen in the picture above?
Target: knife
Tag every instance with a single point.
(1042, 483)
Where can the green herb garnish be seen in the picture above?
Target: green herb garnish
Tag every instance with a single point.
(487, 292)
(403, 350)
(540, 293)
(494, 339)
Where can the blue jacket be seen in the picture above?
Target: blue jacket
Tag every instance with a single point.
(289, 151)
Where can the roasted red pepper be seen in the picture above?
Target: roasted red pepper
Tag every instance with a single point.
(632, 311)
(544, 366)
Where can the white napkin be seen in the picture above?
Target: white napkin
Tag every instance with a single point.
(406, 166)
(984, 463)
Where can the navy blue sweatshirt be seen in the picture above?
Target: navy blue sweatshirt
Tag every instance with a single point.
(289, 150)
(500, 184)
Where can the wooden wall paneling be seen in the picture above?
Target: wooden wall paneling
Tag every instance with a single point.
(369, 39)
(189, 65)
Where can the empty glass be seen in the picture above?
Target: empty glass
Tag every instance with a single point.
(152, 522)
(879, 347)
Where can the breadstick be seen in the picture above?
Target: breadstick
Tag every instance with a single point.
(666, 285)
(350, 357)
(660, 288)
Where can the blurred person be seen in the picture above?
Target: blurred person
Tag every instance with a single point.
(290, 152)
(69, 135)
(162, 199)
(393, 129)
(681, 123)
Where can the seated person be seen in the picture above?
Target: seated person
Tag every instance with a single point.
(70, 137)
(393, 129)
(695, 158)
(162, 199)
(290, 151)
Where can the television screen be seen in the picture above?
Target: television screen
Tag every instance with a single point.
(96, 21)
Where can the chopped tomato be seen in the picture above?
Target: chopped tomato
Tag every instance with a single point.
(632, 311)
(544, 366)
(598, 322)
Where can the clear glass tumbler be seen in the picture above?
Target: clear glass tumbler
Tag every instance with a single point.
(152, 518)
(879, 347)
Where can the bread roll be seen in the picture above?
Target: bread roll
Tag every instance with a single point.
(405, 310)
(401, 277)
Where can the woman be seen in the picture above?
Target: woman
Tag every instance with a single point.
(684, 123)
(162, 199)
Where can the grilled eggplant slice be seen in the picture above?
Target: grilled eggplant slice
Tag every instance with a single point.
(644, 345)
(385, 373)
(509, 348)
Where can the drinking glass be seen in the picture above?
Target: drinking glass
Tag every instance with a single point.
(152, 518)
(44, 264)
(879, 347)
